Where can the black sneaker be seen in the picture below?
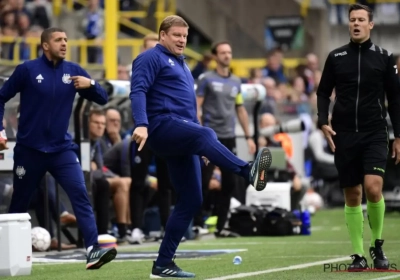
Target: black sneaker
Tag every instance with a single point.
(359, 263)
(259, 168)
(378, 256)
(99, 257)
(169, 271)
(226, 233)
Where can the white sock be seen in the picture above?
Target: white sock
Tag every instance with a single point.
(65, 213)
(89, 249)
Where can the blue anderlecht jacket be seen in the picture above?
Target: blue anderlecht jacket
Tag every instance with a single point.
(46, 99)
(161, 85)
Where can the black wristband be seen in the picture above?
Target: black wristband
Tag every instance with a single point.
(247, 137)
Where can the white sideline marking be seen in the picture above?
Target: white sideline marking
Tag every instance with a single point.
(266, 242)
(43, 261)
(291, 267)
(387, 277)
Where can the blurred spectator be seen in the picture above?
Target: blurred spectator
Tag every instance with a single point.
(120, 186)
(284, 141)
(16, 21)
(274, 67)
(255, 76)
(123, 73)
(201, 66)
(312, 73)
(90, 22)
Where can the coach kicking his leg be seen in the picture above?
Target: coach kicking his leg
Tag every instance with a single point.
(165, 114)
(47, 87)
(361, 72)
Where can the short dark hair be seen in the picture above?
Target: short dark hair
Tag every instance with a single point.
(97, 112)
(46, 34)
(215, 46)
(355, 7)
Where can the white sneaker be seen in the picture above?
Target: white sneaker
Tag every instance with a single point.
(136, 237)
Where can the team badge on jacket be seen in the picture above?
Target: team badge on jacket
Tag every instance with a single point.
(66, 79)
(20, 171)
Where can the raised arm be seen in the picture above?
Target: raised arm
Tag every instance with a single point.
(95, 93)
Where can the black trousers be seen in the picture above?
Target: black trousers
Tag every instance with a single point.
(140, 195)
(222, 199)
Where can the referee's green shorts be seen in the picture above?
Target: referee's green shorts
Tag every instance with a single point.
(360, 153)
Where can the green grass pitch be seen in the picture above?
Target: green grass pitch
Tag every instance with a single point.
(281, 258)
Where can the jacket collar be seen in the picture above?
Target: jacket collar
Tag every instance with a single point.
(166, 51)
(50, 63)
(365, 45)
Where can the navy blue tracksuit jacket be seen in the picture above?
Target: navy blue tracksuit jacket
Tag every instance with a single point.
(43, 142)
(47, 97)
(161, 85)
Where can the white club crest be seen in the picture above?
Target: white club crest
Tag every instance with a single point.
(20, 171)
(66, 79)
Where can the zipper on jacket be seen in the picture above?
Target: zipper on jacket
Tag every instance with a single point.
(358, 85)
(51, 101)
(379, 102)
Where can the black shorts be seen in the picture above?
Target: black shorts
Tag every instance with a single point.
(360, 153)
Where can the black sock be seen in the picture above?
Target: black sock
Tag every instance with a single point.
(121, 230)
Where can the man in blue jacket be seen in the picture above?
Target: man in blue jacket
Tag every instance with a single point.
(165, 113)
(47, 87)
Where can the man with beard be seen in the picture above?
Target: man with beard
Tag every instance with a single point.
(47, 87)
(218, 97)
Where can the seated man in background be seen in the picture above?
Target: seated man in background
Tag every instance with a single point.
(112, 134)
(120, 186)
(119, 159)
(297, 190)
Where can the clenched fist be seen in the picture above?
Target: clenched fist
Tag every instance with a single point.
(80, 82)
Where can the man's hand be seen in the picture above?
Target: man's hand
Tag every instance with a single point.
(80, 82)
(328, 132)
(251, 145)
(3, 140)
(140, 136)
(396, 150)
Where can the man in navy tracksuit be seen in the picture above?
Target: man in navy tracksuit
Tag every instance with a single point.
(165, 111)
(47, 88)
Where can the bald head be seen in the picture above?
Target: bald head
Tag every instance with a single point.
(113, 118)
(267, 120)
(312, 61)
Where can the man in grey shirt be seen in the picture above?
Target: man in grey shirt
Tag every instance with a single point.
(218, 99)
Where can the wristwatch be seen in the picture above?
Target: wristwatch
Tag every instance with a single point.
(92, 83)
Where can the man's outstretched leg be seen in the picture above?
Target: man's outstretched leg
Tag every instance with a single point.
(187, 138)
(185, 174)
(65, 168)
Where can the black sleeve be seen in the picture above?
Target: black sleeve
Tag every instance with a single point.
(392, 88)
(324, 92)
